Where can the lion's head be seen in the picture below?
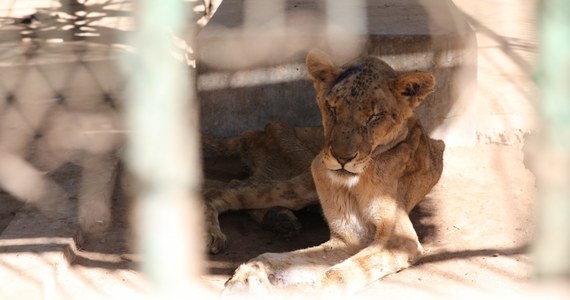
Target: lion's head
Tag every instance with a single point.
(365, 106)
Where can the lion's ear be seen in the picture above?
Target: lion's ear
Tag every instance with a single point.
(414, 87)
(320, 67)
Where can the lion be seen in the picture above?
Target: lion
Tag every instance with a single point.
(375, 165)
(278, 161)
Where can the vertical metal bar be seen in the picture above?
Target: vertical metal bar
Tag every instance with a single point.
(553, 156)
(163, 149)
(346, 28)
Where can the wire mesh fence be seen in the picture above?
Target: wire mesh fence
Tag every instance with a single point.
(61, 90)
(69, 71)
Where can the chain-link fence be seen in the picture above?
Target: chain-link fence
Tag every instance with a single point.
(61, 91)
(64, 128)
(69, 73)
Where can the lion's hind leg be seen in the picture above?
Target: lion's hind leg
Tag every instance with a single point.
(294, 194)
(277, 219)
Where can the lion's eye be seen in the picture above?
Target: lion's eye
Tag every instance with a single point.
(376, 117)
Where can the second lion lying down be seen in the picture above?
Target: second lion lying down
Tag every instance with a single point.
(374, 165)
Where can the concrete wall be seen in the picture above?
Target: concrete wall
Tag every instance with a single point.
(251, 71)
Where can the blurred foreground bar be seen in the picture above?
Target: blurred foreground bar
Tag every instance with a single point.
(251, 59)
(552, 152)
(163, 150)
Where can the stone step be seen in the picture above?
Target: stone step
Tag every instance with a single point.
(251, 55)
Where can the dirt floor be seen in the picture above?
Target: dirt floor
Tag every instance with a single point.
(476, 225)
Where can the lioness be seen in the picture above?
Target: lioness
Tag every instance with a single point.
(376, 164)
(278, 162)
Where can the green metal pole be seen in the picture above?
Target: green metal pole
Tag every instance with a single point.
(552, 166)
(163, 150)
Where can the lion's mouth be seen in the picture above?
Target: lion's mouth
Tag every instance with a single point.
(344, 177)
(343, 172)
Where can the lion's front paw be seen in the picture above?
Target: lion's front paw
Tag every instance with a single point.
(282, 221)
(216, 240)
(249, 278)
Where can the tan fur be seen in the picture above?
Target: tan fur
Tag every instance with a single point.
(279, 158)
(375, 166)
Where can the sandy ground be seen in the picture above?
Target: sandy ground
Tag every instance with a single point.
(476, 226)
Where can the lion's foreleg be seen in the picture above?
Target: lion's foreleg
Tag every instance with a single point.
(300, 268)
(382, 257)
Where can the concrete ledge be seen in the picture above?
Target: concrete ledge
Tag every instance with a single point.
(251, 61)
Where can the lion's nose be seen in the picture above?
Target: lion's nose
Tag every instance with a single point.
(344, 159)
